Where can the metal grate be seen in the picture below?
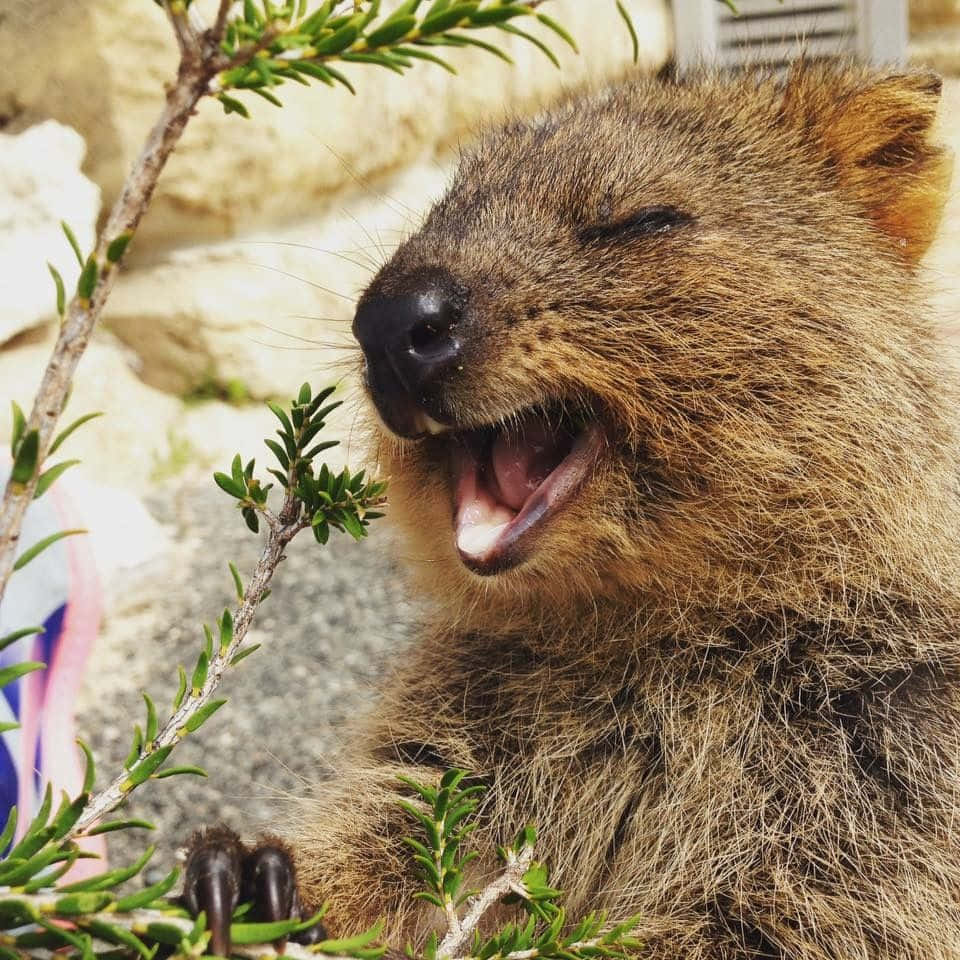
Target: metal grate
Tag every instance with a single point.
(768, 31)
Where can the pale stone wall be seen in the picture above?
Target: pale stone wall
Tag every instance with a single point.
(262, 232)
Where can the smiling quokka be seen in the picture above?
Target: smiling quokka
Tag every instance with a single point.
(675, 451)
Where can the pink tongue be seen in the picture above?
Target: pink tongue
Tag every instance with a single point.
(523, 458)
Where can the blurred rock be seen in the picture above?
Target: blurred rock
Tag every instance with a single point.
(40, 185)
(104, 67)
(265, 312)
(119, 449)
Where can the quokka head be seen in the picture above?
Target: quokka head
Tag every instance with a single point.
(665, 339)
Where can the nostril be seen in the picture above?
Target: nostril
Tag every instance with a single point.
(433, 321)
(428, 336)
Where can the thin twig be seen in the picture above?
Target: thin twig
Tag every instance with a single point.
(281, 532)
(82, 314)
(510, 881)
(220, 23)
(188, 39)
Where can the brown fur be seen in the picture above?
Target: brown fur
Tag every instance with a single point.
(726, 684)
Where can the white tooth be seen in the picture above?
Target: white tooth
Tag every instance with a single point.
(476, 539)
(431, 426)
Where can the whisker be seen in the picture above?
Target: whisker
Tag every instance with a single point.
(294, 336)
(307, 316)
(308, 246)
(313, 345)
(365, 185)
(293, 276)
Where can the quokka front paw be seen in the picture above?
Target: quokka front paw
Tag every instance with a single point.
(222, 872)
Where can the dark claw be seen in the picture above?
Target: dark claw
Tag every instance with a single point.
(212, 883)
(268, 884)
(221, 872)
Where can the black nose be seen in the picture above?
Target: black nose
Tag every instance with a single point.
(415, 334)
(410, 342)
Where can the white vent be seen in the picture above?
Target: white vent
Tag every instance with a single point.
(769, 31)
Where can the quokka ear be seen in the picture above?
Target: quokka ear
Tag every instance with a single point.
(875, 133)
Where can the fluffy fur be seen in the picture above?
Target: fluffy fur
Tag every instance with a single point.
(726, 684)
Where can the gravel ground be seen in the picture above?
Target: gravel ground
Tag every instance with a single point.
(327, 629)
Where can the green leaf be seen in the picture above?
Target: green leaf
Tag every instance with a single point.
(49, 477)
(48, 878)
(462, 40)
(314, 70)
(60, 289)
(237, 582)
(118, 935)
(321, 529)
(65, 821)
(200, 673)
(113, 825)
(89, 768)
(244, 653)
(36, 836)
(118, 247)
(530, 38)
(25, 461)
(353, 525)
(244, 933)
(419, 54)
(77, 904)
(349, 945)
(202, 715)
(167, 933)
(79, 422)
(628, 20)
(378, 59)
(19, 425)
(142, 897)
(18, 635)
(42, 545)
(279, 453)
(281, 415)
(147, 766)
(17, 670)
(560, 31)
(391, 31)
(88, 278)
(267, 95)
(339, 40)
(72, 240)
(136, 748)
(251, 519)
(177, 771)
(447, 19)
(9, 829)
(226, 631)
(232, 105)
(491, 16)
(150, 730)
(181, 689)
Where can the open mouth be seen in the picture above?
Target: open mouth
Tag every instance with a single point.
(509, 480)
